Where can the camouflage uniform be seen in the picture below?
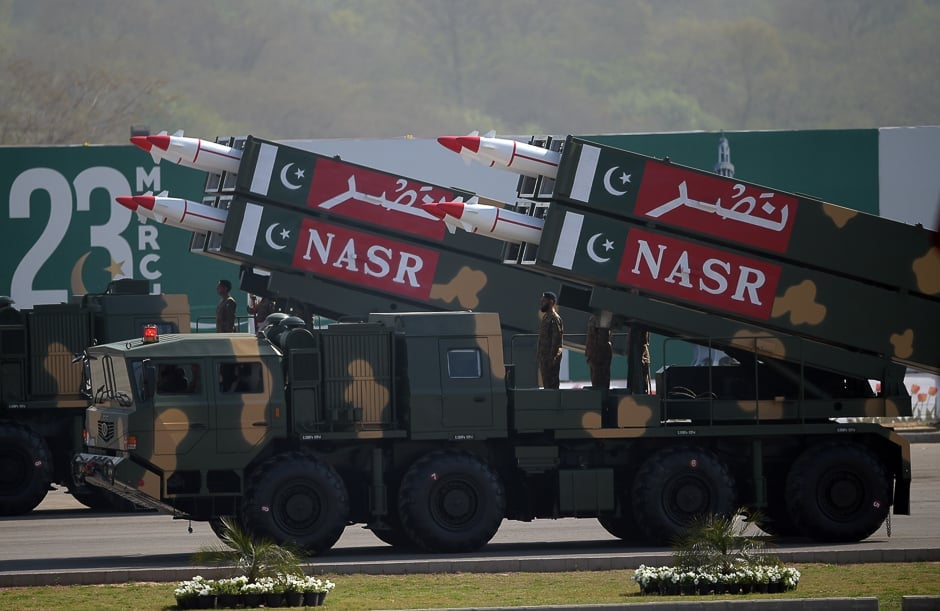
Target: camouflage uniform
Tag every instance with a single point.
(261, 310)
(548, 353)
(225, 315)
(598, 352)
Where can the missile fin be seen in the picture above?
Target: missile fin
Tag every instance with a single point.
(490, 134)
(450, 224)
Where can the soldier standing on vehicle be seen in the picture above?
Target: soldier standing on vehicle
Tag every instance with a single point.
(551, 330)
(260, 309)
(598, 352)
(225, 311)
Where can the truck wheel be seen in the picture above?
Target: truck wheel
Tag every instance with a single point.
(675, 486)
(838, 491)
(25, 469)
(451, 502)
(296, 499)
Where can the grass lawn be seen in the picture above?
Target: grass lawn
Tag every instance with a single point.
(888, 582)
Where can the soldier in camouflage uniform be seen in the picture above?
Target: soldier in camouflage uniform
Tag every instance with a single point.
(551, 330)
(598, 352)
(225, 311)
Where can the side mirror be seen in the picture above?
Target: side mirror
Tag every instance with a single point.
(149, 381)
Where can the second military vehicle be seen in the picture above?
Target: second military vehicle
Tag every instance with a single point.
(412, 424)
(42, 408)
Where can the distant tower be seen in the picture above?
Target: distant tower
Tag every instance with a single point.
(724, 166)
(702, 355)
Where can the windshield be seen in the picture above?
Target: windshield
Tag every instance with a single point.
(109, 381)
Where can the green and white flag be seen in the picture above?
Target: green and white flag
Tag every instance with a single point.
(604, 178)
(278, 173)
(268, 233)
(588, 245)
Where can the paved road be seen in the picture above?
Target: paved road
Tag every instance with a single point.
(63, 542)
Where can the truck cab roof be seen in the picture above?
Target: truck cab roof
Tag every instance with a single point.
(202, 344)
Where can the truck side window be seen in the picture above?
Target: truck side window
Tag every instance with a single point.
(240, 378)
(463, 363)
(175, 379)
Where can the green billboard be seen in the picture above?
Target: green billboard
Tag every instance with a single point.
(63, 235)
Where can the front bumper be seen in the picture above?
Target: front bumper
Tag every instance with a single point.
(102, 471)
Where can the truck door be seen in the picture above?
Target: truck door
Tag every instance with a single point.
(244, 394)
(466, 383)
(181, 412)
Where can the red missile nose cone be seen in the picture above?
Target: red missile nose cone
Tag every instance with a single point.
(450, 142)
(454, 209)
(127, 202)
(434, 210)
(145, 201)
(141, 142)
(161, 142)
(470, 142)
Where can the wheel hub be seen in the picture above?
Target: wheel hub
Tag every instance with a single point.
(844, 495)
(456, 503)
(299, 508)
(687, 497)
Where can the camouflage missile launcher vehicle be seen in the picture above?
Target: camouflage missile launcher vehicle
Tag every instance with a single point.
(42, 407)
(412, 424)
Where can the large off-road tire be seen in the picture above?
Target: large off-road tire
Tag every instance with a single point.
(838, 491)
(296, 499)
(25, 469)
(677, 485)
(451, 502)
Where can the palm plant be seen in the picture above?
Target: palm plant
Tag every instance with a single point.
(721, 543)
(249, 556)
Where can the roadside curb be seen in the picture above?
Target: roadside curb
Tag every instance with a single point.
(551, 564)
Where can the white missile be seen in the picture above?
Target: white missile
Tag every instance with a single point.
(177, 212)
(491, 221)
(509, 155)
(190, 152)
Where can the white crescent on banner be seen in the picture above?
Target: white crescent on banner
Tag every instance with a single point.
(288, 184)
(269, 237)
(590, 250)
(610, 187)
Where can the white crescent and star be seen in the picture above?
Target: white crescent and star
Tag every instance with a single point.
(287, 183)
(269, 236)
(624, 179)
(592, 253)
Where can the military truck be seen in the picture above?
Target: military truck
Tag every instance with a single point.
(412, 424)
(42, 406)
